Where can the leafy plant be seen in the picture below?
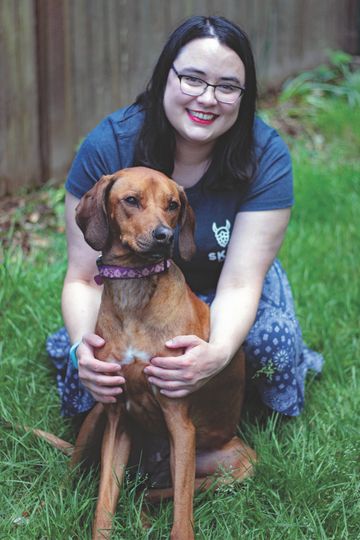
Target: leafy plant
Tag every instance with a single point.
(335, 79)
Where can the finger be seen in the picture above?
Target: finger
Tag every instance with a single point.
(102, 380)
(166, 374)
(99, 366)
(93, 340)
(183, 341)
(103, 391)
(175, 393)
(168, 385)
(103, 399)
(168, 362)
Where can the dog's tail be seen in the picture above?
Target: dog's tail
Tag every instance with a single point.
(64, 446)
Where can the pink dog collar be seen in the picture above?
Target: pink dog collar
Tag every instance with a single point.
(109, 271)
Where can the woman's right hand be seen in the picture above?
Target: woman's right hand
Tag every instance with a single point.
(101, 379)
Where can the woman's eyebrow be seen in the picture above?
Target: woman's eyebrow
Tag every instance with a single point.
(230, 79)
(192, 70)
(201, 73)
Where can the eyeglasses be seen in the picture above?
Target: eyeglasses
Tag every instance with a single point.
(193, 86)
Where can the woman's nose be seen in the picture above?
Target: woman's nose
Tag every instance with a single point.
(208, 97)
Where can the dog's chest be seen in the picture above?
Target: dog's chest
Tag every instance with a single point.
(139, 396)
(132, 354)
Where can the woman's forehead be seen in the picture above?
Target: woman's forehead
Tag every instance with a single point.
(207, 55)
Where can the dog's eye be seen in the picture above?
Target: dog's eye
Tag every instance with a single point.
(132, 201)
(173, 205)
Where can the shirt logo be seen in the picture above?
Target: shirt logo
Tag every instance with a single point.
(222, 233)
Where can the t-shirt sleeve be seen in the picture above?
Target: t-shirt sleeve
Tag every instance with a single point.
(272, 186)
(97, 155)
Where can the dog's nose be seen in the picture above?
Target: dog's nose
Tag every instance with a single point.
(163, 235)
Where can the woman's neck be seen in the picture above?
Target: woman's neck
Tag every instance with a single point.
(191, 162)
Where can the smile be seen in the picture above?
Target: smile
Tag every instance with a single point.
(201, 117)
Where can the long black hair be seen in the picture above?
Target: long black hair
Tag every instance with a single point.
(232, 161)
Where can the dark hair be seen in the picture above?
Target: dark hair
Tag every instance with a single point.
(233, 161)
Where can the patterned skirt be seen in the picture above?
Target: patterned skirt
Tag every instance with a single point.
(277, 360)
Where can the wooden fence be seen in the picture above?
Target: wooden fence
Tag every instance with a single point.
(65, 64)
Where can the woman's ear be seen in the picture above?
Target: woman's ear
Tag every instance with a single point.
(91, 215)
(187, 245)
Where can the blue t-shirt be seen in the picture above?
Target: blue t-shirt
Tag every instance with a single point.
(110, 147)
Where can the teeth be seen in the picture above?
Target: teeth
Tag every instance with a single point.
(203, 116)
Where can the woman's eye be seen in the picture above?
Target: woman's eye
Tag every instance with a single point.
(132, 201)
(226, 88)
(173, 205)
(193, 81)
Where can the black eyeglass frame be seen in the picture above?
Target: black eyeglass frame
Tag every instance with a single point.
(215, 86)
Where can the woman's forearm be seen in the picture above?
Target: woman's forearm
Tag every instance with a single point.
(233, 312)
(80, 307)
(80, 303)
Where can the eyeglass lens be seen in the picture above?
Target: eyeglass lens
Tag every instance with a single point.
(196, 87)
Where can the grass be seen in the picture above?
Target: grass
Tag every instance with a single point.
(307, 483)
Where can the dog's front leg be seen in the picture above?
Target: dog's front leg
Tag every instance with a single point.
(182, 460)
(114, 457)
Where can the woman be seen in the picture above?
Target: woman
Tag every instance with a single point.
(196, 123)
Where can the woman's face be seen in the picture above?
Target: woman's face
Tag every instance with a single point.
(202, 119)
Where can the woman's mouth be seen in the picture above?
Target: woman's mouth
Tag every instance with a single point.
(201, 117)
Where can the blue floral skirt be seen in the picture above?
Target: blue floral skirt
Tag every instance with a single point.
(277, 360)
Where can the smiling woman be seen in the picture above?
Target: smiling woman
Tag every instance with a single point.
(196, 123)
(188, 110)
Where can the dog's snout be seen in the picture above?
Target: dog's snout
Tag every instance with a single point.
(163, 235)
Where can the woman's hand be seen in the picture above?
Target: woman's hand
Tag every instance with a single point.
(178, 376)
(101, 379)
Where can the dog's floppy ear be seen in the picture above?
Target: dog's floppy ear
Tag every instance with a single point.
(91, 213)
(187, 245)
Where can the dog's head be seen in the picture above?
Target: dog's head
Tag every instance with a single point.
(138, 209)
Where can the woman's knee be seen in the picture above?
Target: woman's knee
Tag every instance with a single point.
(271, 351)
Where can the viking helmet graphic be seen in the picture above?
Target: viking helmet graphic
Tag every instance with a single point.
(222, 234)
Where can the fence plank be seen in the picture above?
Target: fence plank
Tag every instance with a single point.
(19, 139)
(89, 57)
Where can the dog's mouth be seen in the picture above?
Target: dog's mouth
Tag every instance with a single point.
(157, 253)
(151, 250)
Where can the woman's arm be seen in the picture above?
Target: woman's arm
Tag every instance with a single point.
(80, 305)
(81, 296)
(255, 241)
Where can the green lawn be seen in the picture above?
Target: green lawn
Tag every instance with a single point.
(307, 483)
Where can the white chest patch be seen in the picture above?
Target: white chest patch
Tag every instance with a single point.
(131, 354)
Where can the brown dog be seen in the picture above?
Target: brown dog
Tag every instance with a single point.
(131, 216)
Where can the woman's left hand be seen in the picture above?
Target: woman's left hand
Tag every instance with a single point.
(178, 376)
